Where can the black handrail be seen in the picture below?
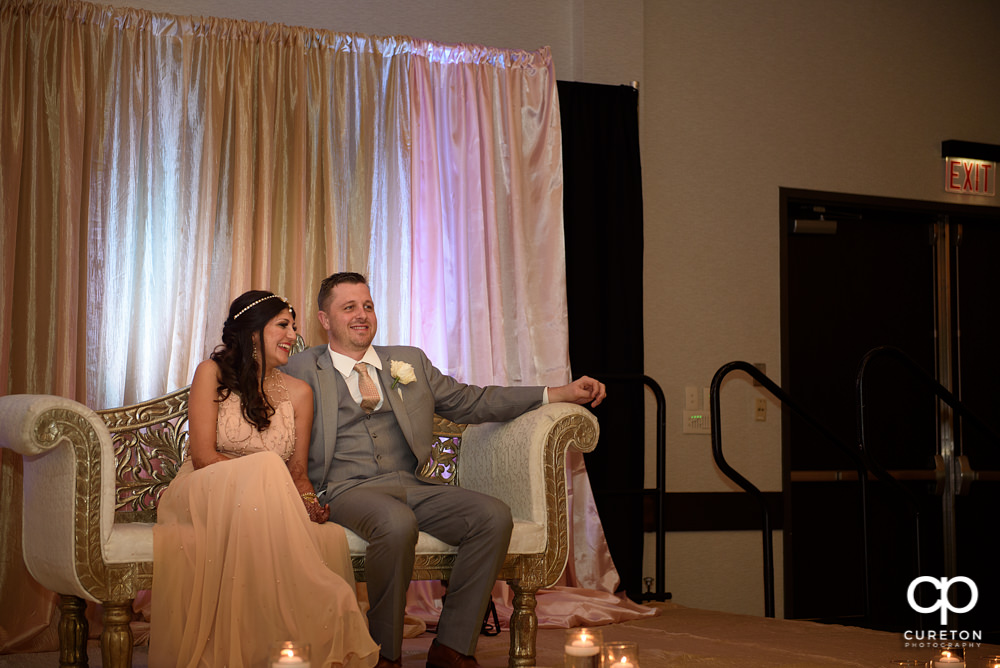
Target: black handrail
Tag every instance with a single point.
(935, 388)
(750, 488)
(661, 477)
(929, 382)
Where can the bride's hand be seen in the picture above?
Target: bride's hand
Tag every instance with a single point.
(317, 513)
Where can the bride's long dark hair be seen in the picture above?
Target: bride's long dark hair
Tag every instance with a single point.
(240, 370)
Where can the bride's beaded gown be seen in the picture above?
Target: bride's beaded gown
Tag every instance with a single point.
(238, 565)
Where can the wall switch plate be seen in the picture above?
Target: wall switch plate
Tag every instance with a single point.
(697, 422)
(691, 398)
(760, 409)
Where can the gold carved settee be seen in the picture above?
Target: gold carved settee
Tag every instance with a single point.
(92, 481)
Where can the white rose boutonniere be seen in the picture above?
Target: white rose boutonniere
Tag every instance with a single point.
(401, 372)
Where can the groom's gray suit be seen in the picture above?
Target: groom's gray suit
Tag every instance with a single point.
(367, 468)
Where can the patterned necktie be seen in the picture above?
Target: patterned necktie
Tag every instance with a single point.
(369, 393)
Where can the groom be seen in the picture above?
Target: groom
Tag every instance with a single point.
(372, 434)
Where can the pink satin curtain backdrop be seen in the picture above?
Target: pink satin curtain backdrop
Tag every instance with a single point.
(152, 167)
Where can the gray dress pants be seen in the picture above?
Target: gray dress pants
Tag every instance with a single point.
(388, 511)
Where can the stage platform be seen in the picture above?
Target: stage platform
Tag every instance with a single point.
(677, 636)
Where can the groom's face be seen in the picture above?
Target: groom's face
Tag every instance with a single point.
(349, 319)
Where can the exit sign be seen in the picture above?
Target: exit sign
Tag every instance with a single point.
(966, 176)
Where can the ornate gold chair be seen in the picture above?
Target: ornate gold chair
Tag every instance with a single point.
(92, 481)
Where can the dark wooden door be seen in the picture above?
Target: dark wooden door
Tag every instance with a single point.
(859, 273)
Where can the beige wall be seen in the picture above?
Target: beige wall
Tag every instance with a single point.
(738, 99)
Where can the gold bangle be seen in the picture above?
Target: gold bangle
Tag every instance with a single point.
(309, 497)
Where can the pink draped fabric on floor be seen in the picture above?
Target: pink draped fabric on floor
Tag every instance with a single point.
(153, 167)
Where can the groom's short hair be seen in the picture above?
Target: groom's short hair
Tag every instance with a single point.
(332, 281)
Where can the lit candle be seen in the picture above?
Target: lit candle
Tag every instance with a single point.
(621, 654)
(289, 659)
(582, 646)
(947, 660)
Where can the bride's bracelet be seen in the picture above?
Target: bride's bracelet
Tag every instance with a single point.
(309, 497)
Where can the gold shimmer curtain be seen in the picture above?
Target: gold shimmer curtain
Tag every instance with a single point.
(153, 167)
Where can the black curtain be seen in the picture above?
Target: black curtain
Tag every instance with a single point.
(602, 200)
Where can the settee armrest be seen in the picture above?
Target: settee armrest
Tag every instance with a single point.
(69, 488)
(522, 462)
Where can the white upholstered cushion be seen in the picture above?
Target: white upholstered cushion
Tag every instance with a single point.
(134, 542)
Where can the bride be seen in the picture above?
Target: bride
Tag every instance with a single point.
(243, 554)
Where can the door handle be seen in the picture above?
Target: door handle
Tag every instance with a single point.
(964, 475)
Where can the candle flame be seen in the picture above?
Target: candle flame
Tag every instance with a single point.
(624, 660)
(946, 654)
(288, 652)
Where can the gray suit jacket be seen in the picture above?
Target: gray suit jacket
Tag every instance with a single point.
(431, 392)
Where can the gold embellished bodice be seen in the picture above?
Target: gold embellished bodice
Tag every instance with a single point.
(236, 436)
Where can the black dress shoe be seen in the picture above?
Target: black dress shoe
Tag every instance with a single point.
(441, 656)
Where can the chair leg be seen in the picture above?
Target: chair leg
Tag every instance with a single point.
(116, 639)
(73, 631)
(523, 626)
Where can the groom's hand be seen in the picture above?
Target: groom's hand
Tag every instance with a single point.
(581, 391)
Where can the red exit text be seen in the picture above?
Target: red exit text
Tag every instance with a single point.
(970, 177)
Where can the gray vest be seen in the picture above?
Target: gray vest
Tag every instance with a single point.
(368, 445)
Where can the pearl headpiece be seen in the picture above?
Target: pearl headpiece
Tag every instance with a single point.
(262, 299)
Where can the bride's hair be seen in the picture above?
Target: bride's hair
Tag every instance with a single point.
(241, 368)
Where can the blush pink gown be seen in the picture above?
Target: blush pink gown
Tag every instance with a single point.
(239, 566)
